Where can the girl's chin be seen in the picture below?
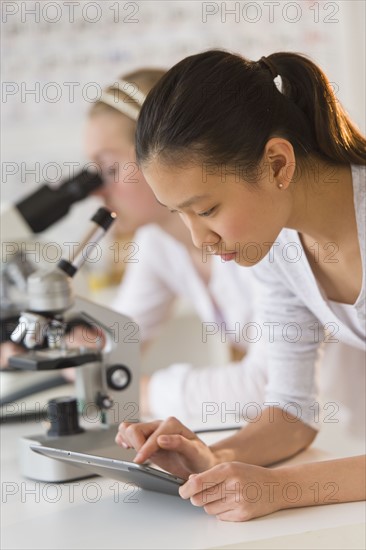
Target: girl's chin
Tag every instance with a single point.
(245, 262)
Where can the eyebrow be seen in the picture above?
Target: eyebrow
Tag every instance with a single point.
(188, 202)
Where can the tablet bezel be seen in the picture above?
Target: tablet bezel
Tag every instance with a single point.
(143, 476)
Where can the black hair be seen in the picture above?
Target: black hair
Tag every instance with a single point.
(222, 108)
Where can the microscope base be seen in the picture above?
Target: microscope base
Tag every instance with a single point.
(41, 468)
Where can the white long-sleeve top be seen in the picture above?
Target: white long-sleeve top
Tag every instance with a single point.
(298, 317)
(291, 307)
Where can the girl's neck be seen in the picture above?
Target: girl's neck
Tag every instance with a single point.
(323, 205)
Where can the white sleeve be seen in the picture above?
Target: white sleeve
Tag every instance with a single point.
(279, 369)
(144, 295)
(289, 329)
(225, 393)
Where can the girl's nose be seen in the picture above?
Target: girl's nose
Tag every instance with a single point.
(202, 236)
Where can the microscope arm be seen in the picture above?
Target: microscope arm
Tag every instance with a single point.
(113, 383)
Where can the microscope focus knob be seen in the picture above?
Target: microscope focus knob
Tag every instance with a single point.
(104, 401)
(63, 416)
(118, 377)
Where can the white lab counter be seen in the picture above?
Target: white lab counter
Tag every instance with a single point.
(100, 513)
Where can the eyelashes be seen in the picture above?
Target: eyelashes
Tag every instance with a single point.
(208, 212)
(202, 214)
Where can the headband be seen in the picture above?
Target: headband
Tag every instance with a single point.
(127, 108)
(270, 66)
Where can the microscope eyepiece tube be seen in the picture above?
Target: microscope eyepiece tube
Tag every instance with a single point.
(101, 221)
(47, 205)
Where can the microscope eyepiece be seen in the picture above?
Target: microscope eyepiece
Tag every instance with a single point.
(47, 204)
(104, 218)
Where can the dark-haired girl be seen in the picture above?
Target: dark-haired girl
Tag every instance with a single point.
(270, 174)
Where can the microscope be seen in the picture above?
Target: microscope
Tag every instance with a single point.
(107, 375)
(19, 222)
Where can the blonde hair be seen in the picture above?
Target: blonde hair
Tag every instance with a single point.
(127, 94)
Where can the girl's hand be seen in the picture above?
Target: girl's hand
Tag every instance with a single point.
(7, 350)
(234, 491)
(167, 443)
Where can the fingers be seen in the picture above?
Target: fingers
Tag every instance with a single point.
(178, 444)
(170, 427)
(144, 437)
(204, 487)
(133, 434)
(234, 514)
(222, 500)
(7, 350)
(222, 491)
(217, 492)
(69, 374)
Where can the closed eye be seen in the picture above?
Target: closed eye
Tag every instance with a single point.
(207, 212)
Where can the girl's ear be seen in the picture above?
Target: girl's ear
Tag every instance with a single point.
(280, 158)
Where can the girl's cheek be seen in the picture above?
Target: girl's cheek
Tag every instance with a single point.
(230, 230)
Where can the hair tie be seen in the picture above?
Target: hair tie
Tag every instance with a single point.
(270, 66)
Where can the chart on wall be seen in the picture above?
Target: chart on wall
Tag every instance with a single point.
(58, 55)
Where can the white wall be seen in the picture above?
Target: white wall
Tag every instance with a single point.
(60, 48)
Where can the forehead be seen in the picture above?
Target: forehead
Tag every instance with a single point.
(109, 130)
(174, 185)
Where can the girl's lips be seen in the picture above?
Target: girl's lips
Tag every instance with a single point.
(228, 257)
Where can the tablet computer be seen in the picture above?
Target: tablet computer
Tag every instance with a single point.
(143, 476)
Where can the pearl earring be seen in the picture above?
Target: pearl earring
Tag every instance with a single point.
(280, 185)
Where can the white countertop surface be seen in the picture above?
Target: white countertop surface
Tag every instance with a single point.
(99, 513)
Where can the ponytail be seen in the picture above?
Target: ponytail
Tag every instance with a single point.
(303, 82)
(222, 108)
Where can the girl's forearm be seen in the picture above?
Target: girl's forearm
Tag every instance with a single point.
(272, 439)
(326, 482)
